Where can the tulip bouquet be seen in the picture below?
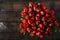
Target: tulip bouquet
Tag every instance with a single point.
(37, 20)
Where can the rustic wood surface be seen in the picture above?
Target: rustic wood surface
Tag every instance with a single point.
(9, 16)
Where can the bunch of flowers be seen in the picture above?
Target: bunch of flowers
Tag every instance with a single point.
(37, 20)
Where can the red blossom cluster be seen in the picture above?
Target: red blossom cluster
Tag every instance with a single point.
(37, 20)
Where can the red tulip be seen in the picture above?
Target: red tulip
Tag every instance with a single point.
(29, 29)
(53, 18)
(47, 33)
(37, 18)
(30, 21)
(47, 15)
(25, 25)
(41, 30)
(50, 19)
(50, 24)
(24, 20)
(23, 14)
(42, 13)
(32, 34)
(31, 14)
(43, 18)
(38, 33)
(32, 24)
(31, 4)
(34, 27)
(30, 10)
(38, 15)
(22, 31)
(37, 22)
(38, 29)
(34, 7)
(52, 12)
(41, 5)
(46, 10)
(48, 29)
(44, 23)
(40, 25)
(25, 9)
(38, 10)
(41, 36)
(32, 18)
(21, 25)
(55, 23)
(27, 17)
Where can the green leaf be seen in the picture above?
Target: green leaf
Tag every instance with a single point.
(38, 4)
(20, 18)
(24, 33)
(54, 29)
